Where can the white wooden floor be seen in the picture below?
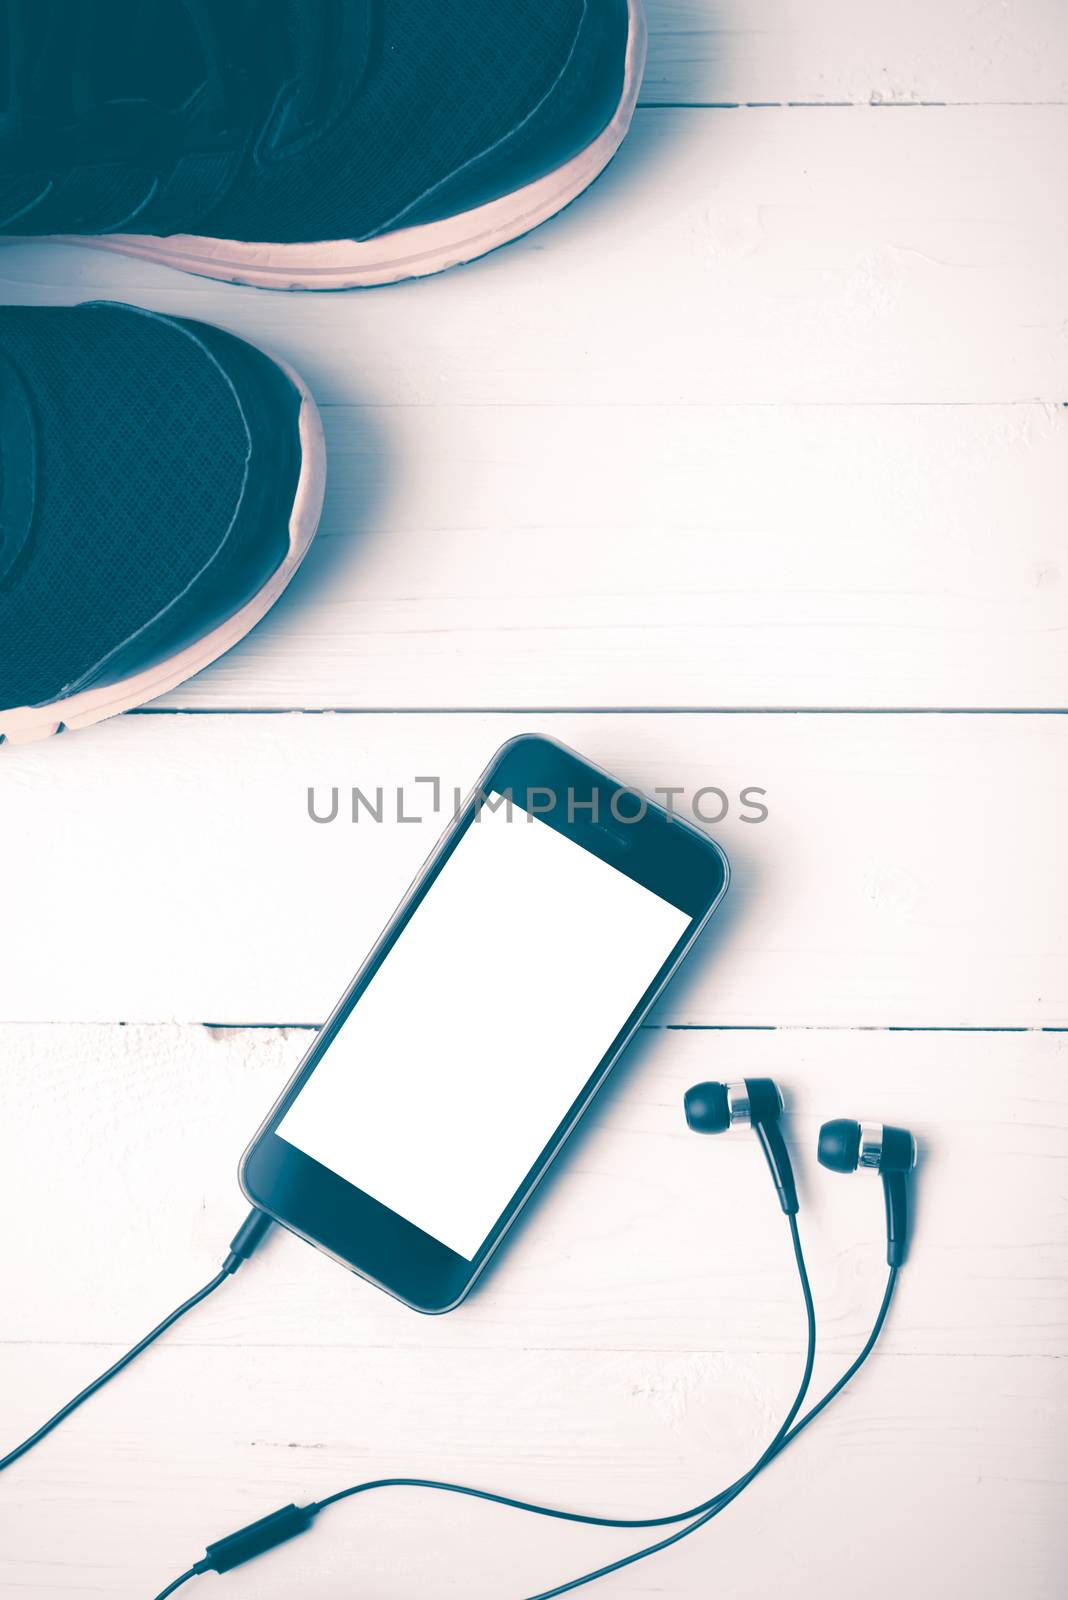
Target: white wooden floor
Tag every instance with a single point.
(750, 470)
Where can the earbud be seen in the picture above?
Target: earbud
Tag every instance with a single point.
(755, 1102)
(845, 1146)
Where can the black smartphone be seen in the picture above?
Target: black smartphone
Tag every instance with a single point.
(542, 927)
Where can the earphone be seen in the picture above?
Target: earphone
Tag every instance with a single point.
(755, 1103)
(709, 1107)
(845, 1146)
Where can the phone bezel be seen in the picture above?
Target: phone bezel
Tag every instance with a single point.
(664, 853)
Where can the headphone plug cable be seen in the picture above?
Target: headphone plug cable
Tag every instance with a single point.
(246, 1240)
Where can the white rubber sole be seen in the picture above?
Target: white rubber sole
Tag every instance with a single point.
(407, 252)
(24, 724)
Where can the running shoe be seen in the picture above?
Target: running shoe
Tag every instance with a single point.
(160, 482)
(319, 145)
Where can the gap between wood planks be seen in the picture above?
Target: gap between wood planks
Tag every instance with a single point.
(832, 105)
(646, 1027)
(598, 711)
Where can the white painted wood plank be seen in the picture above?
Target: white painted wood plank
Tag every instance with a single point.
(129, 1497)
(674, 555)
(632, 1350)
(833, 50)
(910, 870)
(647, 1238)
(777, 255)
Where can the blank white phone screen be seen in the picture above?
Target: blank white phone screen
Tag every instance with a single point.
(499, 998)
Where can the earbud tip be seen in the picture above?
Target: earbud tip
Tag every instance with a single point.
(706, 1106)
(839, 1146)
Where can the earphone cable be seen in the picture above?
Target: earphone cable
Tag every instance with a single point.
(98, 1383)
(590, 1519)
(177, 1583)
(290, 1520)
(248, 1236)
(709, 1510)
(727, 1495)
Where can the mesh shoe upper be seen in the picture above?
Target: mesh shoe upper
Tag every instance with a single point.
(280, 121)
(148, 467)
